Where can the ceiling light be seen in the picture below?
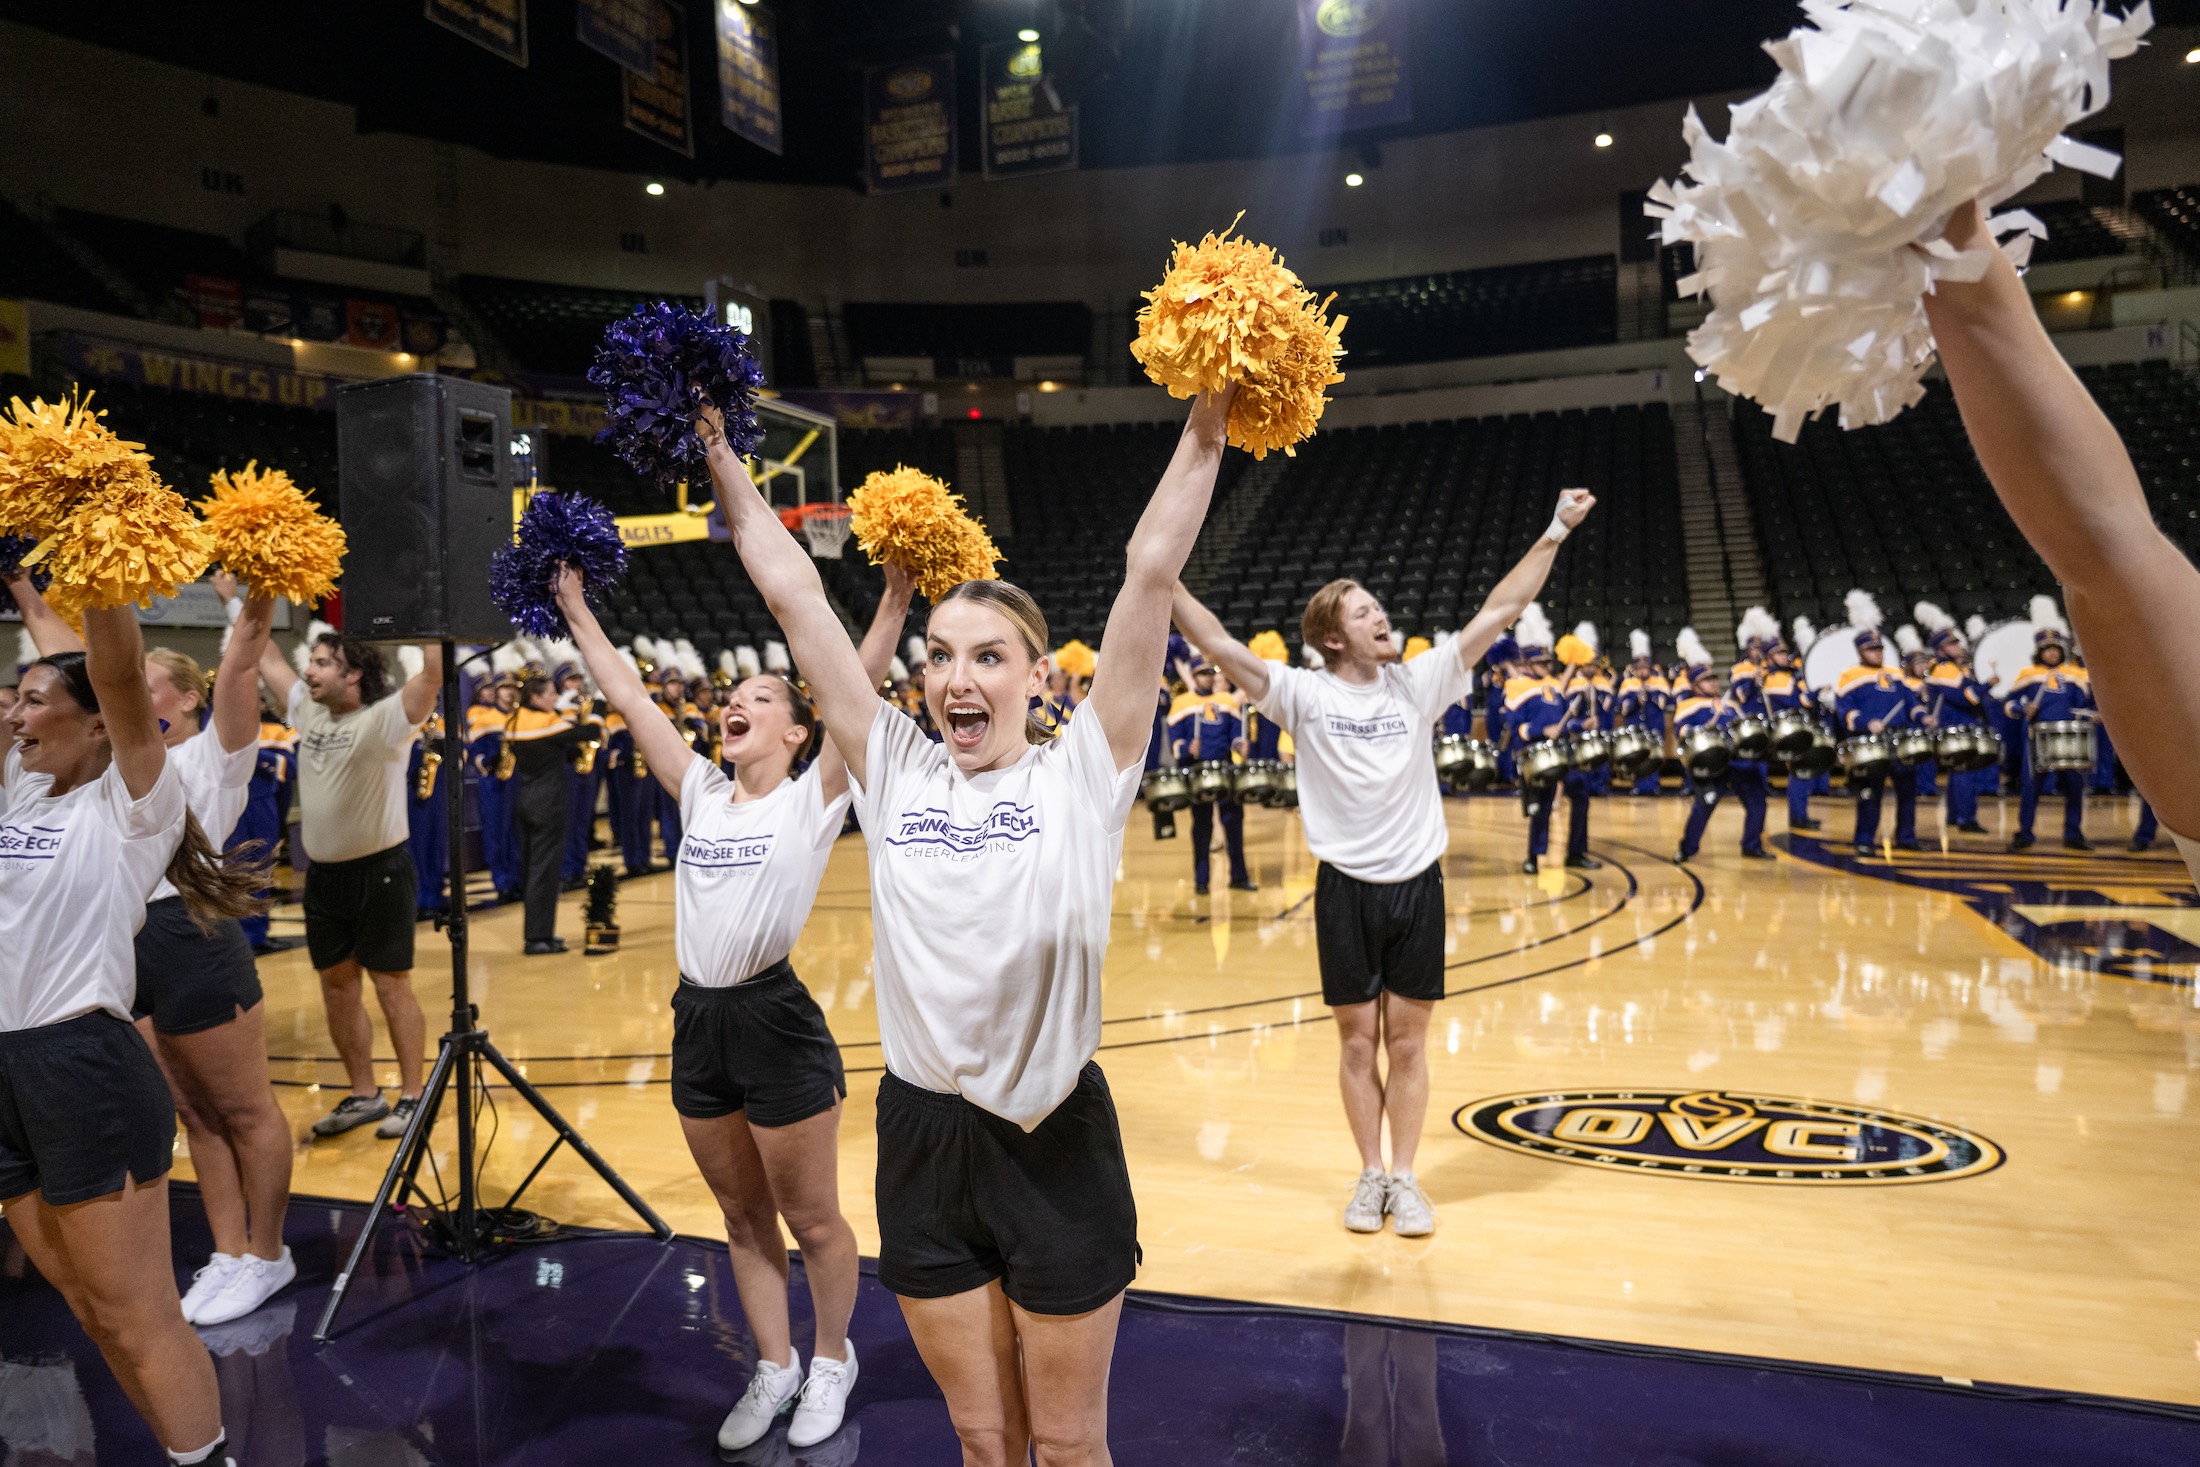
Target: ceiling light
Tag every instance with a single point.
(1027, 35)
(1353, 180)
(1050, 387)
(653, 188)
(2192, 57)
(1604, 140)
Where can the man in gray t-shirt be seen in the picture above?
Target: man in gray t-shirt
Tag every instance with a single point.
(361, 892)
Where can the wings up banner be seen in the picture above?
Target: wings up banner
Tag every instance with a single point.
(909, 124)
(748, 74)
(1352, 61)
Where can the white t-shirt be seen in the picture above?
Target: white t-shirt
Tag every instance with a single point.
(75, 874)
(991, 898)
(1367, 782)
(351, 776)
(747, 873)
(216, 786)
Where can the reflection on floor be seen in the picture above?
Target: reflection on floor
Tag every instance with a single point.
(607, 1348)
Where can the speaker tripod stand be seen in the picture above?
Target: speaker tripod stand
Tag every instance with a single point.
(457, 1075)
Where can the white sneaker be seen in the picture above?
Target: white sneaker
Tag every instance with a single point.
(771, 1391)
(1408, 1206)
(1364, 1213)
(252, 1281)
(824, 1399)
(205, 1284)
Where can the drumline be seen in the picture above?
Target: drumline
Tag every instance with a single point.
(1268, 782)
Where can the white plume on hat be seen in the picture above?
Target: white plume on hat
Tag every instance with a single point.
(776, 658)
(1587, 632)
(1758, 625)
(411, 659)
(26, 651)
(691, 662)
(644, 647)
(1805, 634)
(1906, 640)
(1534, 628)
(2045, 615)
(301, 654)
(1638, 643)
(1864, 612)
(727, 665)
(897, 669)
(508, 658)
(558, 652)
(745, 658)
(1975, 627)
(1691, 648)
(1310, 657)
(1931, 619)
(913, 649)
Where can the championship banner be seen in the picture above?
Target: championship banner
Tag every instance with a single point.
(1025, 132)
(15, 340)
(623, 30)
(496, 26)
(1352, 59)
(748, 74)
(657, 107)
(909, 124)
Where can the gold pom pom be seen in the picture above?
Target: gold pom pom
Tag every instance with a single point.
(271, 536)
(1269, 647)
(905, 514)
(1076, 659)
(1574, 652)
(56, 455)
(134, 541)
(1281, 403)
(1415, 646)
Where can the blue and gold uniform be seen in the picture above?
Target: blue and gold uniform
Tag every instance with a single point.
(1877, 699)
(1643, 700)
(580, 816)
(2051, 690)
(493, 796)
(623, 794)
(1785, 692)
(267, 806)
(1701, 707)
(1955, 699)
(1203, 727)
(1536, 710)
(428, 817)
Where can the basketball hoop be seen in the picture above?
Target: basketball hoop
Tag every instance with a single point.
(825, 526)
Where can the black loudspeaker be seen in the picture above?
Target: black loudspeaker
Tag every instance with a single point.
(425, 472)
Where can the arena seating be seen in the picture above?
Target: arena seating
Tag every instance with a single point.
(154, 257)
(191, 435)
(2176, 213)
(1543, 306)
(551, 328)
(2074, 232)
(977, 332)
(1430, 515)
(33, 267)
(1905, 512)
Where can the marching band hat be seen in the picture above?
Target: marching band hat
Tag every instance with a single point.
(1869, 639)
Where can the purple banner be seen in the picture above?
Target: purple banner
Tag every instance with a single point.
(1352, 64)
(909, 124)
(748, 74)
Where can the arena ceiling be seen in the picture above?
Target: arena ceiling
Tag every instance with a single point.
(1173, 80)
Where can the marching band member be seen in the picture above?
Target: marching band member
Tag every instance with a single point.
(1204, 727)
(1643, 698)
(1374, 818)
(1784, 689)
(2051, 690)
(427, 817)
(585, 787)
(1917, 666)
(1264, 737)
(1157, 752)
(266, 810)
(1499, 668)
(493, 703)
(1537, 709)
(542, 742)
(626, 787)
(1955, 699)
(1873, 698)
(1744, 779)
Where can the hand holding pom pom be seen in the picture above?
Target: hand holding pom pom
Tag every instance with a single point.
(268, 534)
(657, 367)
(909, 516)
(557, 532)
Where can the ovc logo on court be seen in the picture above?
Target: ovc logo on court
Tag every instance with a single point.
(1728, 1136)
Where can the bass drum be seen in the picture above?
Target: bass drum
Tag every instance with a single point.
(1968, 749)
(1831, 655)
(1166, 790)
(1867, 756)
(1706, 752)
(1634, 751)
(1285, 794)
(1793, 732)
(1821, 756)
(1752, 738)
(1542, 764)
(1913, 746)
(2004, 651)
(1255, 779)
(1211, 781)
(1590, 752)
(2059, 747)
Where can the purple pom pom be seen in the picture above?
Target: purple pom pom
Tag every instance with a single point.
(555, 530)
(656, 367)
(12, 550)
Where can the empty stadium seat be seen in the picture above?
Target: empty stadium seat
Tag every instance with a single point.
(33, 267)
(984, 332)
(552, 328)
(1543, 306)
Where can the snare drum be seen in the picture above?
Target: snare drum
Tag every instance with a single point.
(1454, 752)
(1212, 780)
(1823, 753)
(1590, 752)
(1707, 752)
(1867, 756)
(2057, 747)
(1793, 732)
(1166, 790)
(1285, 795)
(1752, 738)
(1543, 763)
(1255, 780)
(1967, 749)
(1633, 752)
(1913, 746)
(1480, 770)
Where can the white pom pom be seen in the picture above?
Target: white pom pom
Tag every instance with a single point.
(1863, 609)
(776, 658)
(1534, 628)
(1691, 648)
(1817, 223)
(1638, 644)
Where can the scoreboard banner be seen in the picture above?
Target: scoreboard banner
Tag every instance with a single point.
(657, 106)
(748, 74)
(623, 30)
(496, 26)
(1352, 64)
(909, 124)
(1025, 130)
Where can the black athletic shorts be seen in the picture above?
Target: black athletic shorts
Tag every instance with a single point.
(83, 1111)
(1374, 935)
(363, 909)
(965, 1197)
(761, 1046)
(188, 980)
